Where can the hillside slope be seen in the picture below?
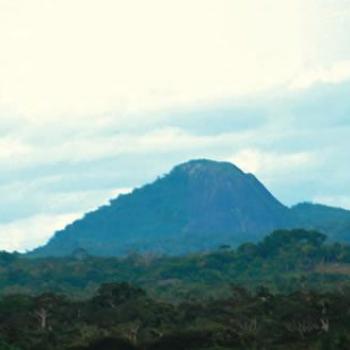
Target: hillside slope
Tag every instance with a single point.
(197, 206)
(335, 222)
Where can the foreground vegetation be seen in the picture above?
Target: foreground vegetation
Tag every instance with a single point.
(290, 291)
(123, 317)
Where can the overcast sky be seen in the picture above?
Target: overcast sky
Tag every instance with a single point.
(98, 96)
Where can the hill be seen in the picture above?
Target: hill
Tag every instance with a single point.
(198, 206)
(334, 221)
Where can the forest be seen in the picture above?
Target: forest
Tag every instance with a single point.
(289, 291)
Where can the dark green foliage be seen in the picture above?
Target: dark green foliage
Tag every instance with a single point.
(291, 291)
(284, 261)
(283, 240)
(109, 344)
(244, 320)
(7, 258)
(112, 294)
(184, 340)
(6, 346)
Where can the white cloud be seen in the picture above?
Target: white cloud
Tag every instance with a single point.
(336, 73)
(342, 201)
(91, 147)
(28, 233)
(13, 148)
(77, 58)
(53, 195)
(260, 162)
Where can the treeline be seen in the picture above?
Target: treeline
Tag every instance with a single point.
(123, 317)
(285, 261)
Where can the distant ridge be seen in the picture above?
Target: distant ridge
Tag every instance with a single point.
(199, 205)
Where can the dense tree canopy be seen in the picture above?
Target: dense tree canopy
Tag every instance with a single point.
(243, 320)
(290, 291)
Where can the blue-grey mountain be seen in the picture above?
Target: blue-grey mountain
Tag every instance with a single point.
(198, 206)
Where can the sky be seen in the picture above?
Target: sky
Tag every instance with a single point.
(100, 96)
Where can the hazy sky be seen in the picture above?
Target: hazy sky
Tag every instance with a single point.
(99, 96)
